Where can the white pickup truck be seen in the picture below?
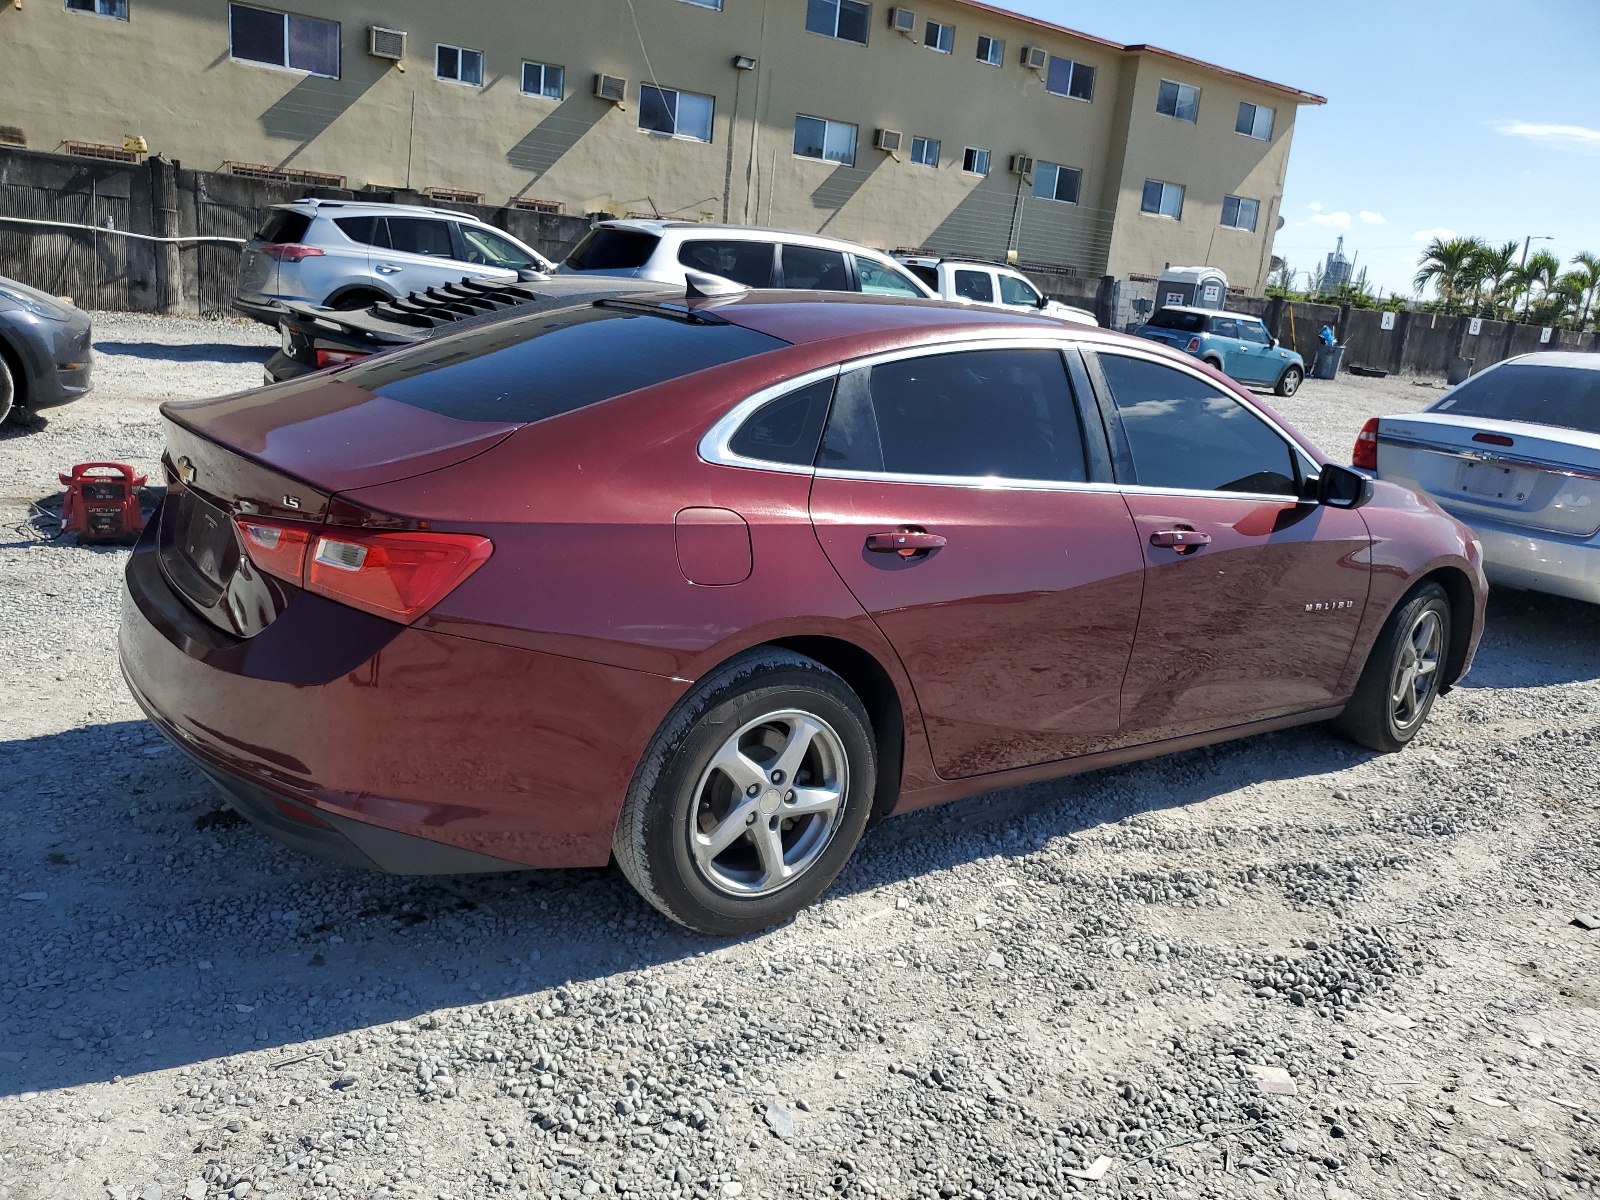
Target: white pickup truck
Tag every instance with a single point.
(966, 281)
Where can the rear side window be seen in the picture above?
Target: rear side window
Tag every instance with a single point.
(358, 229)
(546, 364)
(283, 227)
(786, 430)
(975, 285)
(1184, 322)
(749, 263)
(980, 413)
(1566, 397)
(813, 269)
(613, 250)
(1186, 435)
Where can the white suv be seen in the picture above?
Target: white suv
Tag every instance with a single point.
(665, 251)
(348, 255)
(966, 281)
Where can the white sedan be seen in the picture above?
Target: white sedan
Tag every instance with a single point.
(1514, 452)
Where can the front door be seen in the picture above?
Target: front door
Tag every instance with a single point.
(1254, 359)
(1252, 598)
(952, 497)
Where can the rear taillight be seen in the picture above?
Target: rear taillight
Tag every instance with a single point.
(332, 358)
(1365, 455)
(1494, 439)
(290, 251)
(395, 575)
(1194, 344)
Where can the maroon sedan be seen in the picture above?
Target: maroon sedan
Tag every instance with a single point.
(707, 586)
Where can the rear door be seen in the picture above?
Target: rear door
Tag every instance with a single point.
(964, 504)
(1252, 599)
(413, 253)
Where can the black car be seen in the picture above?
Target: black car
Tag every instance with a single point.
(44, 349)
(316, 337)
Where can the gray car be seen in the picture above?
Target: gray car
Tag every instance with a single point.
(45, 357)
(1515, 453)
(347, 255)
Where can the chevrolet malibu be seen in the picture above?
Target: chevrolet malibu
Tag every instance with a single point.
(707, 585)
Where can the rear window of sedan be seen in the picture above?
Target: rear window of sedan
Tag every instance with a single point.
(545, 364)
(1184, 322)
(1568, 397)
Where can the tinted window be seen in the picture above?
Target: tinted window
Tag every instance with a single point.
(1018, 291)
(283, 227)
(814, 270)
(879, 280)
(418, 235)
(1183, 433)
(975, 285)
(530, 368)
(787, 429)
(1184, 322)
(928, 275)
(1565, 396)
(613, 250)
(357, 229)
(1006, 413)
(749, 263)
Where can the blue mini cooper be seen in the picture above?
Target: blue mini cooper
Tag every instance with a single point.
(1236, 344)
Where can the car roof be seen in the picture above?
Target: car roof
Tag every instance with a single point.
(375, 208)
(1559, 358)
(663, 227)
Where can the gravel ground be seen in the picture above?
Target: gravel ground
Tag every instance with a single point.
(1280, 967)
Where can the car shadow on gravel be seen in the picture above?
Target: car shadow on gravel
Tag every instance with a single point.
(210, 352)
(1533, 640)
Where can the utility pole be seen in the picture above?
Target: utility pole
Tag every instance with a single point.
(1526, 241)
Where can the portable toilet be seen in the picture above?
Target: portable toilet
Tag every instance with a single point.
(1192, 287)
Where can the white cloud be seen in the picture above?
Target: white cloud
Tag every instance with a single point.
(1333, 220)
(1314, 206)
(1427, 235)
(1372, 218)
(1557, 137)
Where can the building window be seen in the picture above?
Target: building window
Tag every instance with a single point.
(1068, 78)
(831, 141)
(1162, 199)
(1254, 121)
(458, 65)
(846, 20)
(975, 161)
(541, 79)
(925, 152)
(1178, 100)
(287, 40)
(940, 37)
(101, 8)
(1238, 213)
(1054, 182)
(991, 51)
(676, 114)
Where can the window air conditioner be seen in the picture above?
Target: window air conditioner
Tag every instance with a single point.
(610, 87)
(903, 20)
(1035, 58)
(1021, 164)
(386, 43)
(888, 140)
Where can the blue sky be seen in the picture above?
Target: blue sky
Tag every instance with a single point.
(1456, 116)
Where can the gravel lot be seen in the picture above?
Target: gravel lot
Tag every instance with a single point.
(1281, 967)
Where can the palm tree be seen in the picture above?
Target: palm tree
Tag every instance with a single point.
(1540, 271)
(1493, 269)
(1445, 265)
(1587, 267)
(1566, 297)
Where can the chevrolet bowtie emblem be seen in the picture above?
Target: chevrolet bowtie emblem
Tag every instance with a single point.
(186, 471)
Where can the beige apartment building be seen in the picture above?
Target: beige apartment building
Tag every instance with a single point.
(945, 124)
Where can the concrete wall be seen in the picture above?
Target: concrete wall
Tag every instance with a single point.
(166, 74)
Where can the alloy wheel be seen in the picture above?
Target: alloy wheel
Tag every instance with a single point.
(767, 805)
(1416, 669)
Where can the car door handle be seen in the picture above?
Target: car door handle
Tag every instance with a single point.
(387, 268)
(904, 542)
(1180, 539)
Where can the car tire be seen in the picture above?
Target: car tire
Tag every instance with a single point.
(8, 391)
(1214, 363)
(1401, 679)
(692, 793)
(1289, 382)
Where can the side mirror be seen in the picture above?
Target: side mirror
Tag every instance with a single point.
(1274, 343)
(1340, 487)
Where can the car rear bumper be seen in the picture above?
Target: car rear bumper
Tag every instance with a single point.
(360, 740)
(1540, 562)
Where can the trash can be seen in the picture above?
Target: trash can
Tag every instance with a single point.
(1327, 362)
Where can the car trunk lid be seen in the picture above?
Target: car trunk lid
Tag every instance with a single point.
(1537, 477)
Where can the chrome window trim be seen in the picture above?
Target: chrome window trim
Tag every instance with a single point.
(714, 448)
(1490, 457)
(989, 483)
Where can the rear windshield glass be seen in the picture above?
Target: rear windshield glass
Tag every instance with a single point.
(545, 364)
(928, 275)
(1564, 396)
(283, 227)
(613, 250)
(1171, 318)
